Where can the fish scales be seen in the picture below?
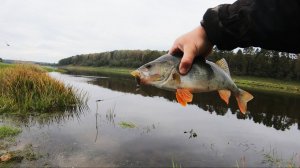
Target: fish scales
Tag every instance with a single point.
(204, 76)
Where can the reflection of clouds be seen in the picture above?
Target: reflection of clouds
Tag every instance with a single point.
(221, 140)
(262, 109)
(83, 159)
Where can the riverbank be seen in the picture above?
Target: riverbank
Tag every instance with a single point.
(27, 88)
(97, 70)
(256, 83)
(3, 65)
(46, 68)
(268, 84)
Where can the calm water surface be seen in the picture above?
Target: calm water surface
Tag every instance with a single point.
(205, 133)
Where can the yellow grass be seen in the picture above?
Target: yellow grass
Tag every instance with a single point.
(27, 88)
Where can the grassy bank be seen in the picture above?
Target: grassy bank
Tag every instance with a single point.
(10, 157)
(268, 84)
(46, 68)
(263, 84)
(52, 69)
(27, 88)
(3, 65)
(100, 70)
(8, 131)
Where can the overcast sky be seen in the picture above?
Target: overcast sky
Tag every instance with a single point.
(49, 30)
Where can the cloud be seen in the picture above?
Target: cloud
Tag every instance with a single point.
(42, 30)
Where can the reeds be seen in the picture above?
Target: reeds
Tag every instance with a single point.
(27, 88)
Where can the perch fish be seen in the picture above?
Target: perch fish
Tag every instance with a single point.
(204, 76)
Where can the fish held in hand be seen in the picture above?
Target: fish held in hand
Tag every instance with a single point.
(204, 76)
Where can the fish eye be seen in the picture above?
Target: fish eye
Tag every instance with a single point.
(149, 66)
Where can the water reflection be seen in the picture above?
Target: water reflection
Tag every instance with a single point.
(163, 130)
(271, 110)
(44, 119)
(191, 133)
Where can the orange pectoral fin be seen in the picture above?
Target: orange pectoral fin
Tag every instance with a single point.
(225, 95)
(184, 96)
(180, 100)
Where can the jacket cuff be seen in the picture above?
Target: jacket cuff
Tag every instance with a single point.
(210, 23)
(214, 28)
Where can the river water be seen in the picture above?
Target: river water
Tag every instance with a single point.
(205, 133)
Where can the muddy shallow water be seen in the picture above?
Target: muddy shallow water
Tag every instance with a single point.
(205, 133)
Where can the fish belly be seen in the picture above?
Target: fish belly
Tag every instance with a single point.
(198, 85)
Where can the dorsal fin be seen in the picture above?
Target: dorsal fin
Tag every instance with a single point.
(223, 65)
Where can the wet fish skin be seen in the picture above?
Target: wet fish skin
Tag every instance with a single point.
(204, 76)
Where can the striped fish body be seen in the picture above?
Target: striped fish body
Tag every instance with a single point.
(204, 76)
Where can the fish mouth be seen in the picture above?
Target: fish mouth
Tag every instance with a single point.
(137, 75)
(142, 79)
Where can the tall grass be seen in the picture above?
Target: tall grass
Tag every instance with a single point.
(27, 88)
(3, 65)
(8, 131)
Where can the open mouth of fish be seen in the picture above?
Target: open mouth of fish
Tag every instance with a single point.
(136, 74)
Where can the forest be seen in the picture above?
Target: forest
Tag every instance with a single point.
(243, 62)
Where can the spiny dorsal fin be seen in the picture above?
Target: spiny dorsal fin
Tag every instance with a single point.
(223, 65)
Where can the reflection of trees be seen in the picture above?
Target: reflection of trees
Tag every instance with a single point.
(43, 119)
(277, 111)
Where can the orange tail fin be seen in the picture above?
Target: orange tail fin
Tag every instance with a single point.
(242, 98)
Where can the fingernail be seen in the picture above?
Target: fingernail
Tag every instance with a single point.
(182, 70)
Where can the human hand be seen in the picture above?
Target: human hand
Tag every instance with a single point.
(192, 44)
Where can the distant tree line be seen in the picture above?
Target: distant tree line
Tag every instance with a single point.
(1, 60)
(261, 63)
(249, 61)
(118, 58)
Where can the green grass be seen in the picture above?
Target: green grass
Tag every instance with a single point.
(53, 69)
(125, 124)
(268, 84)
(102, 70)
(4, 65)
(8, 131)
(271, 158)
(257, 83)
(175, 165)
(49, 69)
(15, 158)
(27, 88)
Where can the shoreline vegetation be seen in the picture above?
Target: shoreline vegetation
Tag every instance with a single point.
(29, 95)
(29, 89)
(255, 83)
(250, 67)
(97, 70)
(247, 62)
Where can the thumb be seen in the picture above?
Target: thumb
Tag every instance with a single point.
(186, 62)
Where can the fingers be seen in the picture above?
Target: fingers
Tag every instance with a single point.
(187, 60)
(191, 44)
(174, 49)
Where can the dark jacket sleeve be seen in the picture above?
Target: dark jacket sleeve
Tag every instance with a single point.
(269, 24)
